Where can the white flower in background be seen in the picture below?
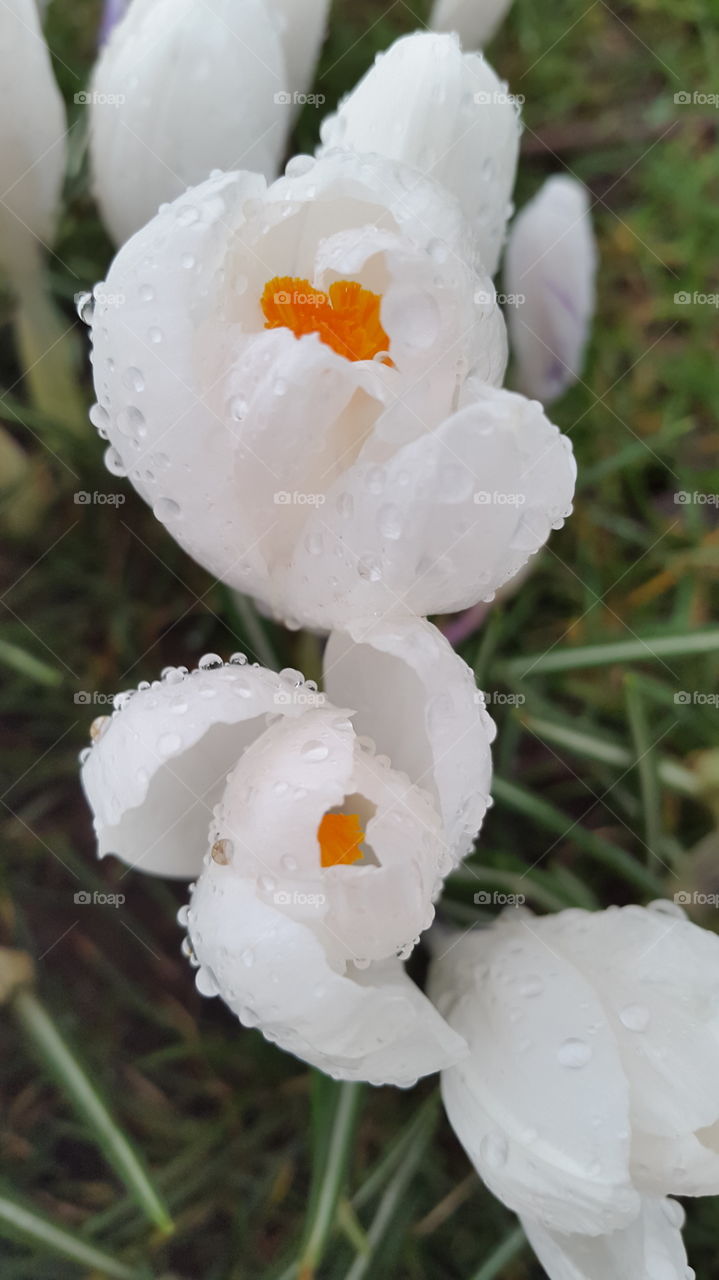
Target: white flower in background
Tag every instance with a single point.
(447, 115)
(187, 86)
(475, 21)
(33, 150)
(318, 854)
(551, 264)
(590, 1094)
(303, 381)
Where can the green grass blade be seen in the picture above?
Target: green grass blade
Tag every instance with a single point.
(336, 1111)
(21, 1223)
(645, 760)
(643, 649)
(511, 1246)
(552, 819)
(61, 1062)
(26, 664)
(393, 1197)
(592, 746)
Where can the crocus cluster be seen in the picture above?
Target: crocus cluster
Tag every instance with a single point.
(301, 368)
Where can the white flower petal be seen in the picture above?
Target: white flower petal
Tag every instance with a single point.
(270, 814)
(475, 21)
(541, 1105)
(657, 976)
(303, 24)
(550, 267)
(441, 522)
(441, 738)
(446, 114)
(684, 1166)
(160, 763)
(181, 88)
(651, 1247)
(273, 972)
(33, 132)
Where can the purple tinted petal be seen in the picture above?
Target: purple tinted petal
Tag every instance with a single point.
(112, 11)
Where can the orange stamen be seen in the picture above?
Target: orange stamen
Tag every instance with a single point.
(347, 318)
(340, 836)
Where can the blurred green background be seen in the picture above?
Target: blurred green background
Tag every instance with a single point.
(608, 788)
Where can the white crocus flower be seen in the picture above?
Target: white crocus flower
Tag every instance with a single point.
(445, 114)
(550, 269)
(318, 854)
(304, 382)
(185, 86)
(33, 147)
(590, 1094)
(475, 21)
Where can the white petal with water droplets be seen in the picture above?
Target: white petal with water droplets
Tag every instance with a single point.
(447, 115)
(541, 1105)
(218, 69)
(441, 737)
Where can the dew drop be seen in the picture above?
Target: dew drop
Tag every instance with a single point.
(315, 751)
(169, 743)
(166, 509)
(206, 983)
(147, 293)
(635, 1017)
(132, 379)
(494, 1149)
(574, 1053)
(183, 917)
(210, 661)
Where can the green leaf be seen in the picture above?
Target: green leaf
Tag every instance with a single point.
(335, 1114)
(645, 760)
(642, 649)
(511, 1246)
(26, 664)
(19, 1222)
(63, 1065)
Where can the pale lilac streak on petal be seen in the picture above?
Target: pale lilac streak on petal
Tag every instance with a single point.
(113, 11)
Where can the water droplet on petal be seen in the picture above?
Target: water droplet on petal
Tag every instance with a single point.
(315, 751)
(494, 1148)
(635, 1017)
(574, 1053)
(166, 509)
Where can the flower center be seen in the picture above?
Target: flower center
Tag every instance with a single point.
(340, 836)
(346, 318)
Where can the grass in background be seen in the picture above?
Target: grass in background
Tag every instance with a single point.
(606, 788)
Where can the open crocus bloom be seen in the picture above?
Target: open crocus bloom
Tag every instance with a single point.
(550, 268)
(184, 86)
(303, 380)
(591, 1091)
(318, 856)
(445, 114)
